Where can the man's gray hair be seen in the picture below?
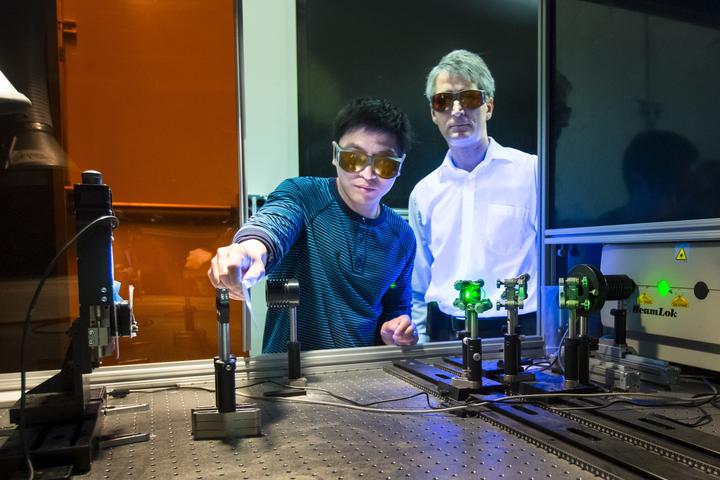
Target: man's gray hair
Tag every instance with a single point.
(466, 64)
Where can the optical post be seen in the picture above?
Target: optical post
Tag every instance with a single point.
(472, 299)
(226, 419)
(285, 293)
(584, 291)
(513, 297)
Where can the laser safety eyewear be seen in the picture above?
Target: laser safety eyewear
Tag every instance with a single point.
(354, 161)
(471, 99)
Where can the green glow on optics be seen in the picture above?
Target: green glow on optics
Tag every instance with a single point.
(663, 288)
(471, 295)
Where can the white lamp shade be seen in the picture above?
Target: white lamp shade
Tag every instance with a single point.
(10, 99)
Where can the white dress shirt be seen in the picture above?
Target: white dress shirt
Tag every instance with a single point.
(471, 225)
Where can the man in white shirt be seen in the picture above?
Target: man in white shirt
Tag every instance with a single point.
(475, 216)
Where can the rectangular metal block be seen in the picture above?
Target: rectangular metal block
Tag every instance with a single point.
(208, 423)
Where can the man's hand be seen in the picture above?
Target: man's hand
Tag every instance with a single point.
(399, 331)
(236, 264)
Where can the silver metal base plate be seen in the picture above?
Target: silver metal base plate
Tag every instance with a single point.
(208, 423)
(298, 382)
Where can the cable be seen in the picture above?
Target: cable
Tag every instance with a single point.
(505, 399)
(349, 400)
(312, 389)
(689, 403)
(545, 367)
(120, 393)
(701, 420)
(26, 328)
(427, 399)
(361, 408)
(560, 350)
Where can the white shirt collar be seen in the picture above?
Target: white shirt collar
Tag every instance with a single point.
(494, 152)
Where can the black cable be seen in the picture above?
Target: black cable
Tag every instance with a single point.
(539, 360)
(121, 393)
(641, 403)
(701, 420)
(544, 367)
(315, 389)
(26, 328)
(427, 399)
(345, 399)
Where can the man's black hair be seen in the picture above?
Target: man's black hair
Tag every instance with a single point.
(374, 114)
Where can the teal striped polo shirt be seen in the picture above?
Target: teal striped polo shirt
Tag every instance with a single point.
(354, 272)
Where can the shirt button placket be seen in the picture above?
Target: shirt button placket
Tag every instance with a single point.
(360, 235)
(467, 221)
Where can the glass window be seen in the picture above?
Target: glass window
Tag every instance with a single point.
(633, 112)
(145, 93)
(386, 49)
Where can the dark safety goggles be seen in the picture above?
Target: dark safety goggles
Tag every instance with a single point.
(354, 161)
(470, 99)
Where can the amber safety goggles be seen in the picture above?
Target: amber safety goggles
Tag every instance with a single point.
(355, 161)
(470, 99)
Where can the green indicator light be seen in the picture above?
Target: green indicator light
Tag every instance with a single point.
(663, 288)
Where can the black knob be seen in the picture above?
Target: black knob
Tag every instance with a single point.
(91, 177)
(701, 290)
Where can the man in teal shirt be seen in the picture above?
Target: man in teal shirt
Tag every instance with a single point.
(351, 254)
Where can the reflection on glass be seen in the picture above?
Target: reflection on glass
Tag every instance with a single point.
(655, 168)
(351, 255)
(156, 115)
(475, 216)
(641, 143)
(328, 66)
